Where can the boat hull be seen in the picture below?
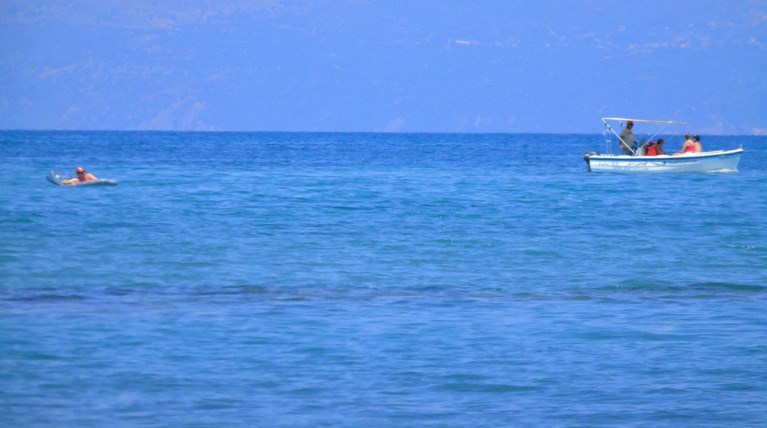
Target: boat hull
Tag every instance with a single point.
(725, 161)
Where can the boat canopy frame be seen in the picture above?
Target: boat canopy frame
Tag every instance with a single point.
(609, 129)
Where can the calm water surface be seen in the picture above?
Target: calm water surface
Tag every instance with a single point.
(257, 279)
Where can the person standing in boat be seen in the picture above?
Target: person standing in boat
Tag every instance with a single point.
(627, 139)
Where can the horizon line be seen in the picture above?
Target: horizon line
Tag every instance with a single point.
(347, 132)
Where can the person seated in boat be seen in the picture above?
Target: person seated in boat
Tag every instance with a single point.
(82, 177)
(651, 149)
(659, 147)
(627, 139)
(698, 145)
(687, 147)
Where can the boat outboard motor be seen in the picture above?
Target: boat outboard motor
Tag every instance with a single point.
(586, 157)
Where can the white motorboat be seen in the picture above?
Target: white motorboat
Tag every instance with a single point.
(712, 161)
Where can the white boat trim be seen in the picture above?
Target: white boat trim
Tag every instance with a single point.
(623, 119)
(720, 161)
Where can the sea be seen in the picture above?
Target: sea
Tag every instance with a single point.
(376, 279)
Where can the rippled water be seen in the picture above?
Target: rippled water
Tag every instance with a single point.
(376, 280)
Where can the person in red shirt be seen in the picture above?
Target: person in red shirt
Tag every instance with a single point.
(651, 150)
(687, 147)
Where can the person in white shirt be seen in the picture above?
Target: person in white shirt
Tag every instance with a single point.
(627, 139)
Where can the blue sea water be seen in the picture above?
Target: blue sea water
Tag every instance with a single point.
(302, 279)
